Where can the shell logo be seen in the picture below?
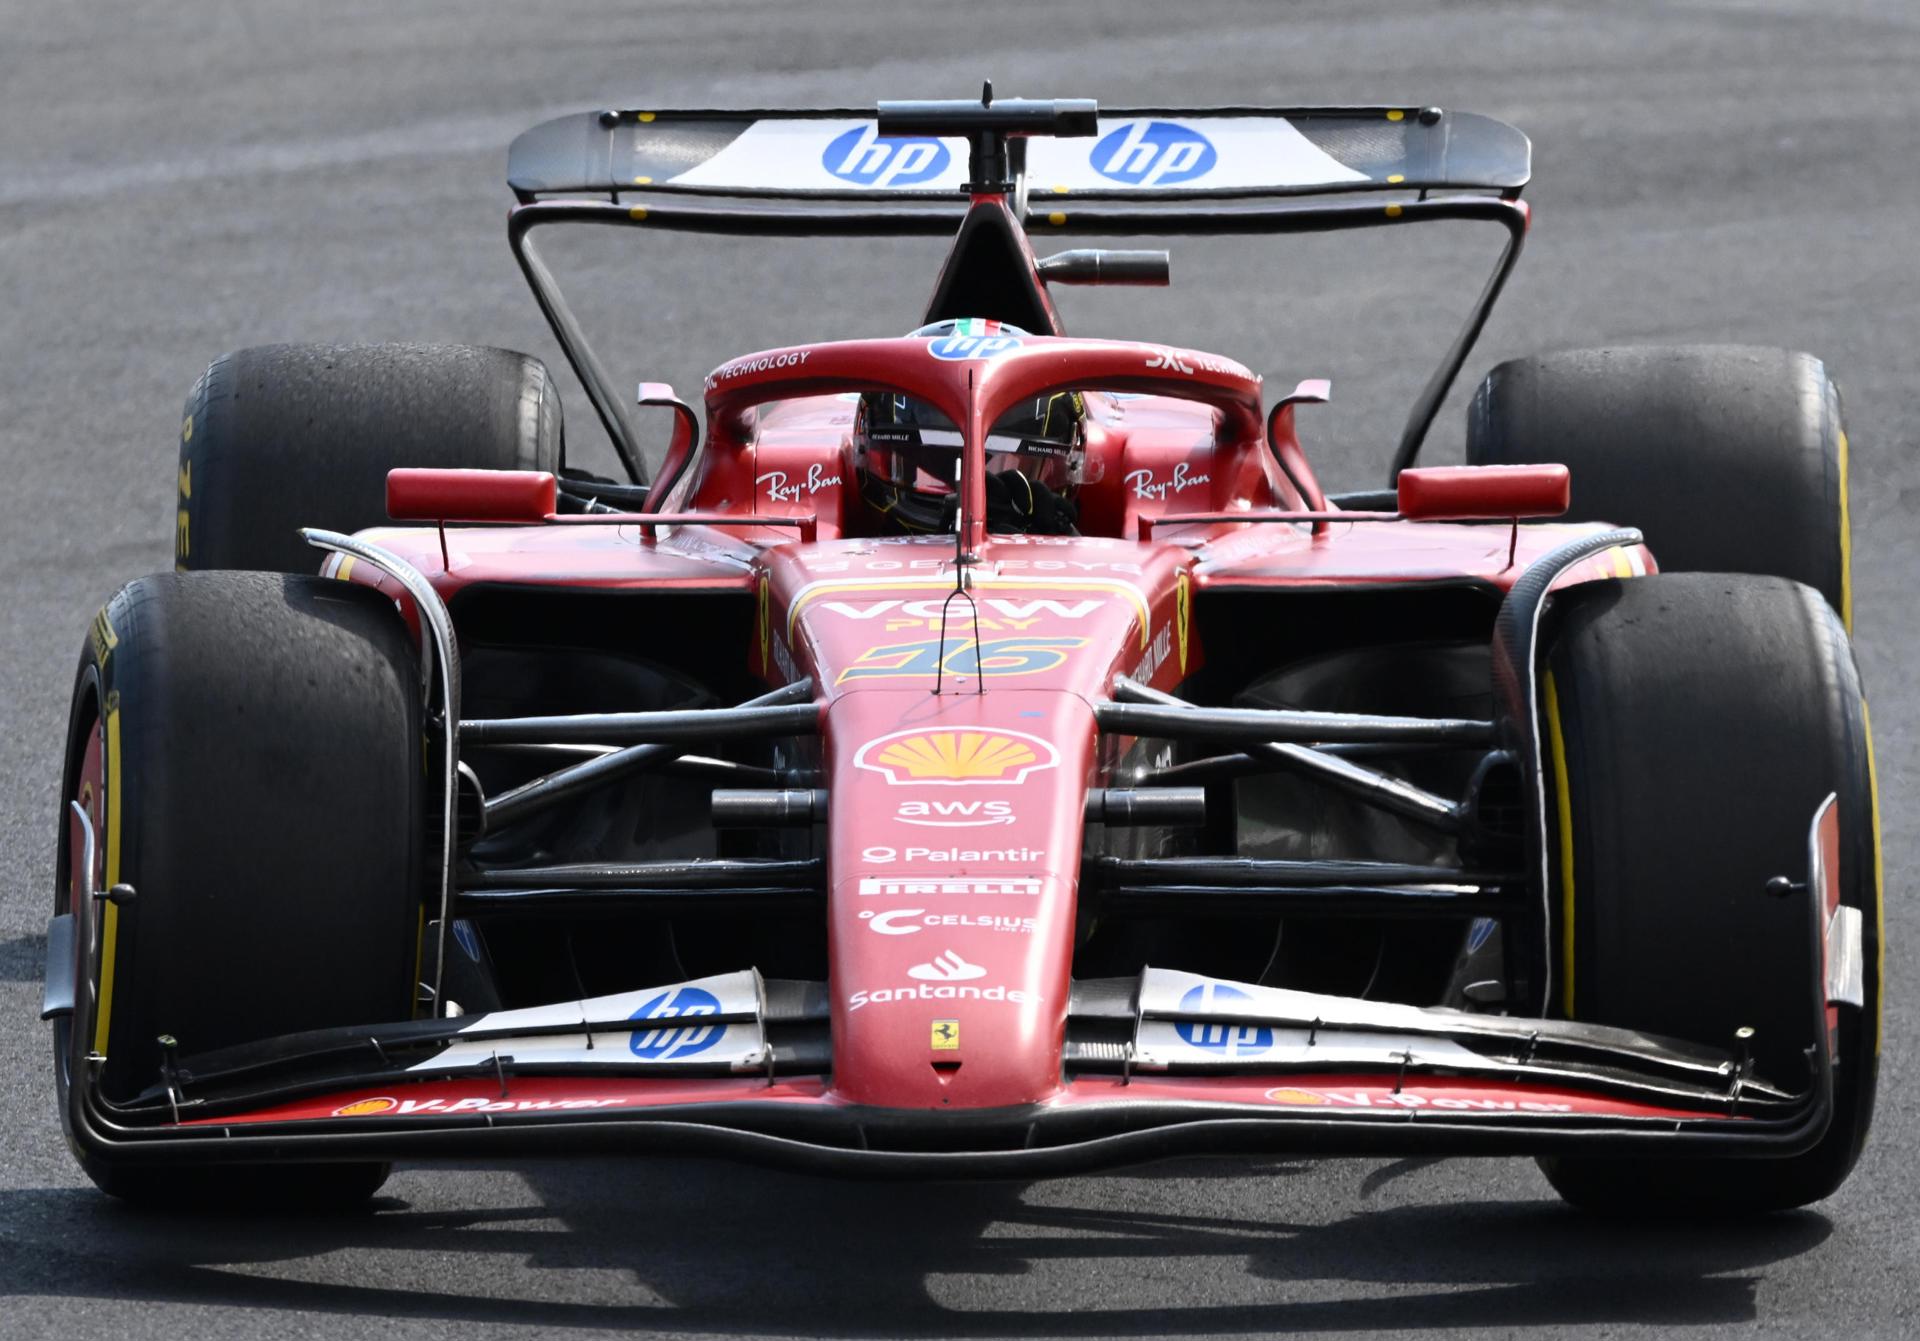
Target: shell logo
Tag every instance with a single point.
(950, 758)
(1303, 1098)
(366, 1107)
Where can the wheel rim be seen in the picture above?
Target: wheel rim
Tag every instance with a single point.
(87, 785)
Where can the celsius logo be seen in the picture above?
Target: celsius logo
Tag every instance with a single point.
(909, 921)
(1230, 1040)
(860, 156)
(1154, 153)
(676, 1040)
(960, 345)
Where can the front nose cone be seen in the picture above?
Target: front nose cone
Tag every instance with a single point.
(953, 863)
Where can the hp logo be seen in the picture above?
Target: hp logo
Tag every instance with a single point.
(958, 346)
(1154, 153)
(676, 1040)
(1230, 1040)
(860, 156)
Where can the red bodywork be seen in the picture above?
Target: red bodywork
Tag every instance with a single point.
(955, 828)
(969, 708)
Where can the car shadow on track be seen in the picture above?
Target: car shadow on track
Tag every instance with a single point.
(707, 1247)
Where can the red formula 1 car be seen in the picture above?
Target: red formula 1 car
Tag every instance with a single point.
(989, 751)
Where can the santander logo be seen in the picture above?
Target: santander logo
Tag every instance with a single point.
(946, 967)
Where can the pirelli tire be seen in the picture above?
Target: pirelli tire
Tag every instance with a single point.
(248, 748)
(277, 437)
(1729, 459)
(1693, 724)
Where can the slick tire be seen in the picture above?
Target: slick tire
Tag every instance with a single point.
(1728, 459)
(247, 747)
(1693, 723)
(277, 437)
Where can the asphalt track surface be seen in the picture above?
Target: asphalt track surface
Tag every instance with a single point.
(180, 179)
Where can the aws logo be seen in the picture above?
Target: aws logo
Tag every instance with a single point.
(955, 814)
(948, 758)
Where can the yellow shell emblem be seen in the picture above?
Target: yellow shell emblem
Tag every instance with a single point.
(956, 756)
(366, 1108)
(1288, 1095)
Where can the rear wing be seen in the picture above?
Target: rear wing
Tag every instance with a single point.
(1137, 153)
(930, 167)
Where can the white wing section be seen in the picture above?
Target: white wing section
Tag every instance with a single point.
(706, 1023)
(1138, 153)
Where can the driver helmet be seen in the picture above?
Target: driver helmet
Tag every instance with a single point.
(908, 452)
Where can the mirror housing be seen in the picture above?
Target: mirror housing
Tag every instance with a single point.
(1101, 265)
(435, 495)
(1477, 493)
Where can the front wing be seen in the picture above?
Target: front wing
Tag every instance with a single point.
(1168, 1063)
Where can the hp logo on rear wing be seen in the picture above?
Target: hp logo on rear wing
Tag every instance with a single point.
(860, 156)
(1154, 153)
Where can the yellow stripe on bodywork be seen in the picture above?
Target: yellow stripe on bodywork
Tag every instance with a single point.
(1879, 886)
(1564, 803)
(1846, 544)
(110, 928)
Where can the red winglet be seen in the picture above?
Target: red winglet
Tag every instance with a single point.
(415, 494)
(1458, 493)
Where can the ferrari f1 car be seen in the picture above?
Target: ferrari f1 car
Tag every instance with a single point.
(983, 750)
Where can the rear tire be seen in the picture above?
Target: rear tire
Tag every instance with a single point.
(248, 748)
(1694, 723)
(283, 436)
(1730, 460)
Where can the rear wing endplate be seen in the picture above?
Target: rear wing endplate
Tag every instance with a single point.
(1139, 153)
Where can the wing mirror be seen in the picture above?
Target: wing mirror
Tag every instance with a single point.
(1469, 493)
(1099, 265)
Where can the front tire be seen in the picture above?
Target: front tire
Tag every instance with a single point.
(1693, 724)
(248, 749)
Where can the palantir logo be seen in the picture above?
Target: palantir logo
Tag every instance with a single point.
(1154, 153)
(1229, 1040)
(860, 156)
(676, 1040)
